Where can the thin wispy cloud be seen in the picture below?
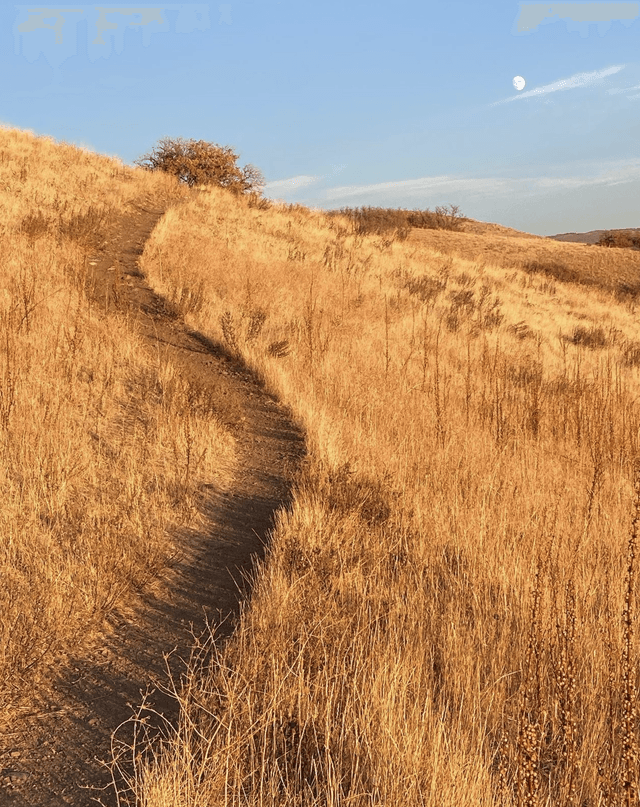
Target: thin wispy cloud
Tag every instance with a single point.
(419, 187)
(291, 184)
(572, 83)
(416, 191)
(620, 90)
(302, 181)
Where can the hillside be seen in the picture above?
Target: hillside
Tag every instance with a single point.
(488, 228)
(615, 270)
(141, 468)
(446, 611)
(68, 502)
(437, 616)
(592, 237)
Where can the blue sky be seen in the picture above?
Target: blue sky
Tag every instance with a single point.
(404, 104)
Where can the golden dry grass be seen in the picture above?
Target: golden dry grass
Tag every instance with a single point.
(92, 429)
(579, 263)
(441, 619)
(447, 614)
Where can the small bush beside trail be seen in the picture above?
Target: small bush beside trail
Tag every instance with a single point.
(196, 162)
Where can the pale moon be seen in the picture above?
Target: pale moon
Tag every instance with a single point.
(518, 83)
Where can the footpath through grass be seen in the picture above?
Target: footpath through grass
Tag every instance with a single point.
(446, 615)
(89, 493)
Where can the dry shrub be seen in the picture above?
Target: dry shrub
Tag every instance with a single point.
(449, 217)
(520, 329)
(35, 225)
(631, 353)
(628, 239)
(197, 162)
(426, 288)
(591, 337)
(556, 269)
(380, 220)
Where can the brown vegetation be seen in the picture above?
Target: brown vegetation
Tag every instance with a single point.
(629, 239)
(380, 220)
(196, 162)
(447, 614)
(556, 260)
(88, 490)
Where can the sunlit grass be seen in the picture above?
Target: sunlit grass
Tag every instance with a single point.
(94, 433)
(440, 617)
(447, 612)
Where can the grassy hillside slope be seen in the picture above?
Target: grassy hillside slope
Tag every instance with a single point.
(575, 263)
(446, 615)
(88, 490)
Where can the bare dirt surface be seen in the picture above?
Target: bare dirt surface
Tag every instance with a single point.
(53, 754)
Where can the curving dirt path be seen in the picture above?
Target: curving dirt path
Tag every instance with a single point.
(52, 755)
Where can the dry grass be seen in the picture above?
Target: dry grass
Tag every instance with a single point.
(447, 614)
(565, 261)
(95, 435)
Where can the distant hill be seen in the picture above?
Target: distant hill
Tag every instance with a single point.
(592, 237)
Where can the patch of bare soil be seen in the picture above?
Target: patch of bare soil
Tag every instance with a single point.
(52, 755)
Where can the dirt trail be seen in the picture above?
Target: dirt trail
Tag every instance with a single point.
(51, 757)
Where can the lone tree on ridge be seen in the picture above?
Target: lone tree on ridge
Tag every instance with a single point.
(197, 162)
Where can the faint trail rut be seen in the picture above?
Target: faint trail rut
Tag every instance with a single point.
(52, 755)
